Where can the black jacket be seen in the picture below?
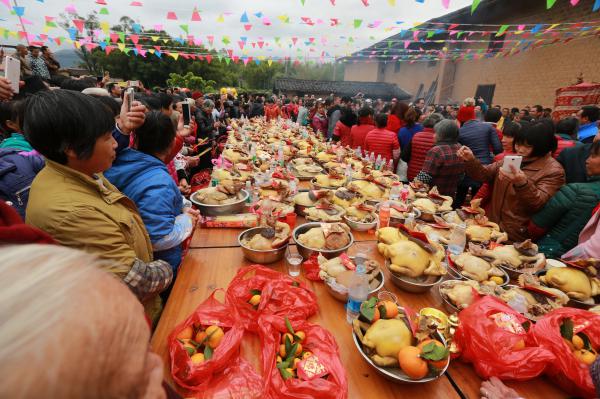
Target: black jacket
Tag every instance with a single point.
(257, 109)
(206, 125)
(573, 162)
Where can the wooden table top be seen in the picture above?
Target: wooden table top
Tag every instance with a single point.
(204, 270)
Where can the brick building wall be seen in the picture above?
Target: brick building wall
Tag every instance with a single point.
(523, 79)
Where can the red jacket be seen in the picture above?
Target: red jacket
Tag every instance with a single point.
(382, 142)
(272, 112)
(421, 143)
(394, 123)
(343, 132)
(358, 134)
(562, 143)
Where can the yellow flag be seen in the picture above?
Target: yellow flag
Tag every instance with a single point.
(270, 62)
(220, 18)
(392, 2)
(77, 44)
(105, 27)
(151, 50)
(121, 46)
(154, 38)
(175, 55)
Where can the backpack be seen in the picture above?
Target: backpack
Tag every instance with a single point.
(17, 171)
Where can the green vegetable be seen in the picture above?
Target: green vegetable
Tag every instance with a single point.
(296, 284)
(288, 344)
(566, 329)
(367, 309)
(285, 374)
(190, 351)
(289, 325)
(255, 292)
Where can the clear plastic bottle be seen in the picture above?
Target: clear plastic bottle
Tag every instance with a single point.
(384, 214)
(250, 198)
(293, 188)
(358, 289)
(348, 173)
(409, 222)
(395, 191)
(378, 162)
(390, 166)
(280, 155)
(372, 157)
(359, 152)
(458, 239)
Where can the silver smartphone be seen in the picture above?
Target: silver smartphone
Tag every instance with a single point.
(129, 97)
(12, 72)
(514, 160)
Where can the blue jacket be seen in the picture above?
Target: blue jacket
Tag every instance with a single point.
(405, 134)
(480, 137)
(146, 181)
(587, 132)
(17, 170)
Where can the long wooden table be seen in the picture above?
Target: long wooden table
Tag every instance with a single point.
(206, 269)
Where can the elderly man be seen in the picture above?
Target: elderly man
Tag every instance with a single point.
(38, 66)
(25, 66)
(107, 355)
(51, 63)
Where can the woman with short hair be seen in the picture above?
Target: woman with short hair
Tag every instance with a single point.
(520, 192)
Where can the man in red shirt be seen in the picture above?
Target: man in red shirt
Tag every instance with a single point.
(364, 126)
(381, 141)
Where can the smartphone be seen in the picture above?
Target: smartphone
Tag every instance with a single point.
(134, 83)
(514, 160)
(12, 72)
(129, 97)
(187, 116)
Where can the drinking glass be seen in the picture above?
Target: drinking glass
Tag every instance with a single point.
(293, 263)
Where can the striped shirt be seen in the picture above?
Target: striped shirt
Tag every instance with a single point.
(381, 142)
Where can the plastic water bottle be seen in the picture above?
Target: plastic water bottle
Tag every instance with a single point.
(378, 162)
(293, 188)
(384, 214)
(395, 191)
(250, 198)
(348, 173)
(372, 157)
(280, 154)
(359, 152)
(390, 166)
(458, 239)
(358, 289)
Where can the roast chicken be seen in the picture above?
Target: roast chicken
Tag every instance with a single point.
(574, 282)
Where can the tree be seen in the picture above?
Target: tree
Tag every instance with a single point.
(191, 81)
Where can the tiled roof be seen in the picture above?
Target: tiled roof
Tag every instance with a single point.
(343, 88)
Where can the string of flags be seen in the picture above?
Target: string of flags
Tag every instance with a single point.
(419, 42)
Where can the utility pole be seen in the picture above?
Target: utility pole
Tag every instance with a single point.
(334, 68)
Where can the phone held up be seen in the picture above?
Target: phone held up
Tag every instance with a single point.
(187, 115)
(129, 97)
(514, 160)
(12, 72)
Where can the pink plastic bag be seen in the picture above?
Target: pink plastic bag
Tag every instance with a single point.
(491, 336)
(569, 373)
(280, 295)
(320, 342)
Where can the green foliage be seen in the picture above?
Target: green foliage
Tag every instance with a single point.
(191, 81)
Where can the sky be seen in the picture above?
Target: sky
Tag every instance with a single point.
(221, 21)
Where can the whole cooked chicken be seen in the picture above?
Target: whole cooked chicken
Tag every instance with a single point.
(434, 202)
(330, 181)
(337, 270)
(345, 197)
(475, 267)
(361, 213)
(331, 236)
(413, 258)
(324, 211)
(386, 338)
(368, 190)
(520, 256)
(480, 229)
(573, 282)
(461, 293)
(226, 192)
(388, 236)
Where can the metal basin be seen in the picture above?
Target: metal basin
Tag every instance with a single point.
(410, 284)
(396, 374)
(306, 252)
(360, 226)
(260, 257)
(216, 210)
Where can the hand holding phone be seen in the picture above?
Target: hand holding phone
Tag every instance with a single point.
(129, 97)
(514, 160)
(187, 115)
(12, 72)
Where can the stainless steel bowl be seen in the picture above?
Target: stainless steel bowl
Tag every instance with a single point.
(306, 252)
(413, 285)
(450, 307)
(360, 226)
(343, 296)
(260, 257)
(216, 210)
(396, 374)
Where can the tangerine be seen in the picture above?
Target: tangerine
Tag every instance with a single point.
(520, 344)
(585, 356)
(200, 337)
(391, 309)
(290, 337)
(577, 342)
(438, 364)
(198, 358)
(186, 333)
(301, 335)
(411, 362)
(216, 335)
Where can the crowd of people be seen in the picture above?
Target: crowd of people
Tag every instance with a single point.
(82, 168)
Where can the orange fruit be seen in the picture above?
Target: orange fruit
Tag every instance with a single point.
(301, 335)
(585, 356)
(216, 336)
(186, 333)
(200, 336)
(290, 337)
(520, 344)
(299, 349)
(411, 362)
(255, 300)
(439, 364)
(376, 317)
(295, 365)
(198, 358)
(282, 351)
(569, 344)
(306, 355)
(279, 359)
(391, 309)
(577, 342)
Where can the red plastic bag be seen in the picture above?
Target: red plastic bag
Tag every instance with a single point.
(568, 372)
(280, 295)
(198, 377)
(238, 381)
(490, 335)
(312, 268)
(318, 341)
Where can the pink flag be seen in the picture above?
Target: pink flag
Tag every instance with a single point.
(171, 15)
(446, 3)
(101, 2)
(332, 2)
(210, 39)
(248, 27)
(208, 58)
(136, 4)
(108, 49)
(365, 2)
(134, 38)
(196, 15)
(79, 24)
(114, 37)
